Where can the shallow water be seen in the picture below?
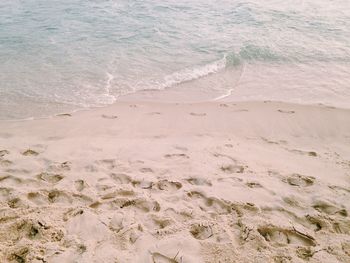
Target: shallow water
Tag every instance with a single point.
(62, 55)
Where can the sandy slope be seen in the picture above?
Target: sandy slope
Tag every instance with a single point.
(151, 182)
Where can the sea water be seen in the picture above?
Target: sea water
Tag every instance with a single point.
(62, 55)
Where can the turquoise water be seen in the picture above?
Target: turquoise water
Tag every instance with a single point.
(62, 55)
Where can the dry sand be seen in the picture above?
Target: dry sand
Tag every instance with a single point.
(152, 182)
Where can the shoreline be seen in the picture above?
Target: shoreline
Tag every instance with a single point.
(139, 98)
(249, 82)
(170, 182)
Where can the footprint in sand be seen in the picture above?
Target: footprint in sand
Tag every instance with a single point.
(120, 221)
(5, 191)
(5, 163)
(120, 178)
(19, 228)
(340, 189)
(293, 201)
(305, 253)
(38, 198)
(181, 148)
(26, 228)
(146, 170)
(143, 184)
(299, 180)
(19, 255)
(198, 114)
(64, 115)
(163, 223)
(57, 196)
(10, 179)
(15, 202)
(72, 212)
(18, 171)
(148, 205)
(209, 204)
(309, 153)
(287, 111)
(103, 187)
(58, 167)
(201, 232)
(341, 227)
(230, 168)
(176, 156)
(50, 178)
(142, 204)
(313, 154)
(166, 185)
(280, 236)
(329, 209)
(30, 152)
(199, 181)
(254, 185)
(107, 163)
(123, 192)
(3, 153)
(317, 223)
(269, 141)
(79, 185)
(110, 117)
(159, 224)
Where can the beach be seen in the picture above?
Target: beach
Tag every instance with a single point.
(143, 181)
(174, 131)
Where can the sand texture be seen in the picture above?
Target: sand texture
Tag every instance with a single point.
(165, 183)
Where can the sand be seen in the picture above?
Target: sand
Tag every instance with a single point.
(153, 182)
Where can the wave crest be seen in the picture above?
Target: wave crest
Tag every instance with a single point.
(190, 74)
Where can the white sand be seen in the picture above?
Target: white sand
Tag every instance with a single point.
(152, 182)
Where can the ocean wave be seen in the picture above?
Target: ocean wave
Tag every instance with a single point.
(231, 60)
(190, 74)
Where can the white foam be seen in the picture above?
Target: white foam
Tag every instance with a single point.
(190, 74)
(107, 97)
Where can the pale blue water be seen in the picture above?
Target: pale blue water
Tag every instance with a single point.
(61, 55)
